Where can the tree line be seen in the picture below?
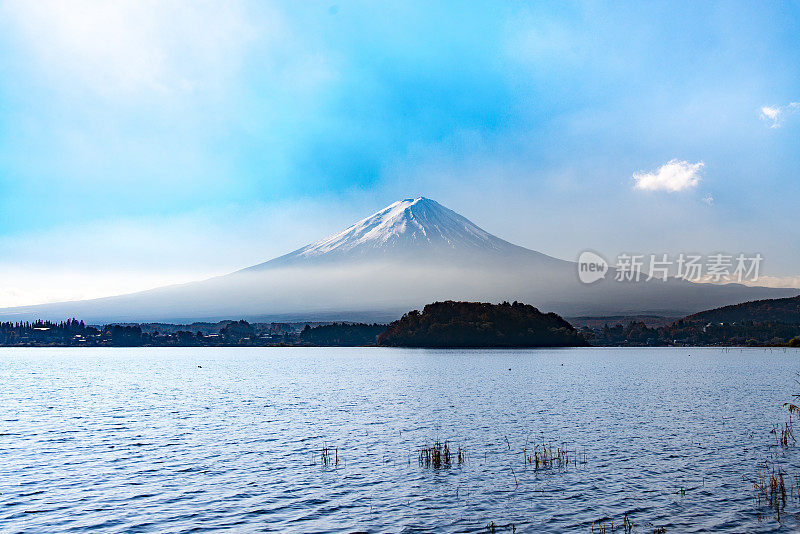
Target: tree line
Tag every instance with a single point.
(697, 333)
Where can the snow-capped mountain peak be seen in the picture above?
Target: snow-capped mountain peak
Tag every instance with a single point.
(410, 230)
(414, 224)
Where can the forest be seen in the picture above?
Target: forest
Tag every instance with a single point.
(480, 324)
(696, 333)
(786, 311)
(75, 333)
(342, 334)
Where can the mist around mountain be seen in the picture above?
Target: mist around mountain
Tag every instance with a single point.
(413, 252)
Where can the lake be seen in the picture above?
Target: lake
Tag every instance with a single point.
(232, 439)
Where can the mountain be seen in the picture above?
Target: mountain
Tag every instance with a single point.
(419, 227)
(785, 311)
(410, 253)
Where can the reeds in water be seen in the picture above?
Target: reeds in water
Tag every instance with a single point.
(784, 434)
(439, 455)
(491, 527)
(545, 456)
(606, 524)
(771, 489)
(329, 456)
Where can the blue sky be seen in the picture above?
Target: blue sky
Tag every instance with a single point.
(144, 143)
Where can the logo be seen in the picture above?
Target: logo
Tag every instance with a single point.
(591, 267)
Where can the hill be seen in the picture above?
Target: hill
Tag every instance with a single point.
(785, 311)
(771, 322)
(479, 324)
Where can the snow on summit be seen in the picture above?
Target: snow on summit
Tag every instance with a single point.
(407, 230)
(411, 223)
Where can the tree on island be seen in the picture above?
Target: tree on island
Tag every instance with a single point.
(480, 324)
(342, 334)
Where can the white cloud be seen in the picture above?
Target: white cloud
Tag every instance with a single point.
(125, 46)
(776, 114)
(708, 199)
(672, 176)
(771, 113)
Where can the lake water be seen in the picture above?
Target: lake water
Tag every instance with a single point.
(190, 440)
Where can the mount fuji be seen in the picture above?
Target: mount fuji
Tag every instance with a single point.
(420, 229)
(410, 253)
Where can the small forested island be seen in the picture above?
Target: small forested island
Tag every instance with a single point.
(480, 324)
